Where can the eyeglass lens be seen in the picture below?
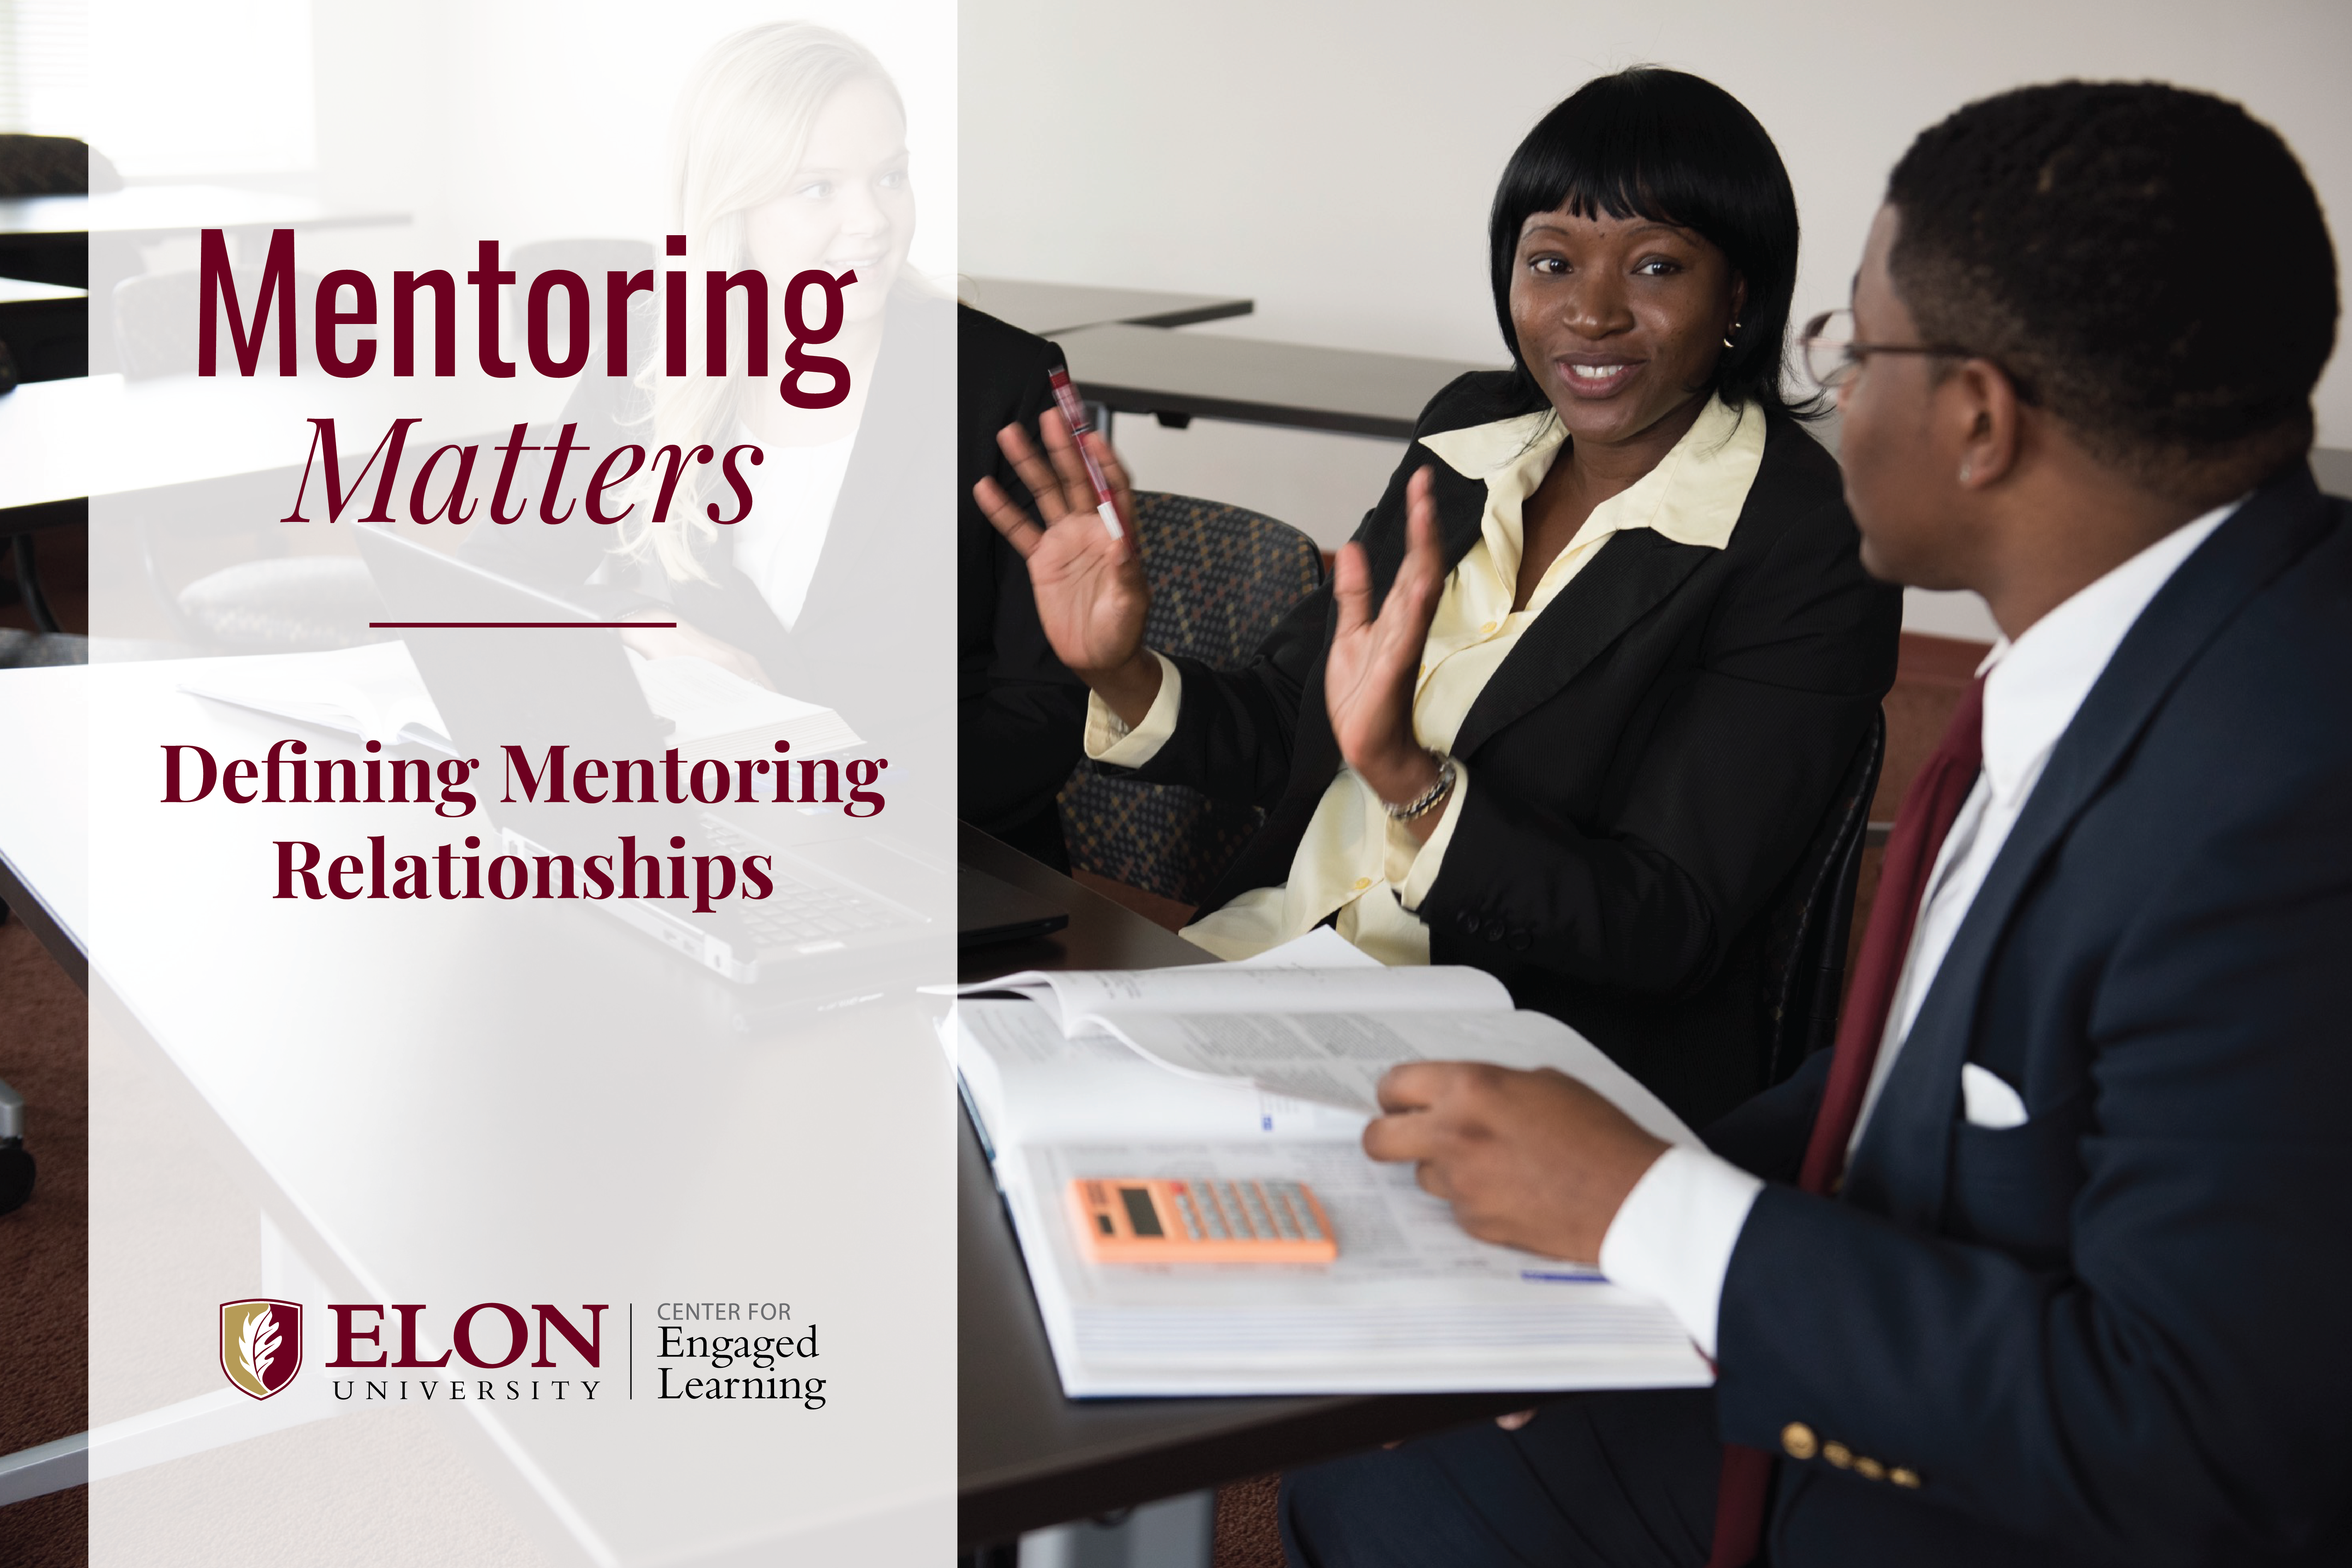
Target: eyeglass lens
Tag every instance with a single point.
(1829, 348)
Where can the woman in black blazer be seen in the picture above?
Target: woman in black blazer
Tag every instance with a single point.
(791, 155)
(1585, 685)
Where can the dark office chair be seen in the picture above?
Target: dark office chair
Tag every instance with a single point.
(16, 1165)
(33, 650)
(50, 166)
(279, 604)
(1805, 936)
(156, 316)
(1220, 579)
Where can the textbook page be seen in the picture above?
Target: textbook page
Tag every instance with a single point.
(372, 691)
(1321, 948)
(713, 708)
(1338, 1059)
(1413, 1304)
(1029, 1083)
(1081, 998)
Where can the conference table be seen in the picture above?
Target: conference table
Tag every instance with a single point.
(94, 240)
(150, 212)
(66, 441)
(1047, 308)
(1179, 376)
(632, 1131)
(1029, 1457)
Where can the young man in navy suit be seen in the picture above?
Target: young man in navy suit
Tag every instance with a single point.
(2048, 1261)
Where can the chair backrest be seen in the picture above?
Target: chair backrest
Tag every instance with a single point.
(1222, 579)
(44, 166)
(1806, 932)
(155, 319)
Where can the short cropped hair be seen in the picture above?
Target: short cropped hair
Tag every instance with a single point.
(2068, 232)
(1673, 148)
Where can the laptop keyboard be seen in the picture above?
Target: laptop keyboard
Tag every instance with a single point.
(800, 912)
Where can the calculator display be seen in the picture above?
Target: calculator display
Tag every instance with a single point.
(1158, 1220)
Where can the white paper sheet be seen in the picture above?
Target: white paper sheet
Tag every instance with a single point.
(1080, 999)
(1413, 1304)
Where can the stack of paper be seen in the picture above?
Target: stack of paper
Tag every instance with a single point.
(1239, 1072)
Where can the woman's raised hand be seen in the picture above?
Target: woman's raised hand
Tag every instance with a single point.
(1091, 596)
(1368, 681)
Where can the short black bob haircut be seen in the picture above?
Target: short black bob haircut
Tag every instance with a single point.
(1673, 148)
(2067, 232)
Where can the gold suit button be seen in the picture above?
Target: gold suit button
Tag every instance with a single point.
(1797, 1440)
(1868, 1468)
(1903, 1478)
(1838, 1453)
(1362, 882)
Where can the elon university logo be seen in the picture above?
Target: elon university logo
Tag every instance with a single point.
(261, 1344)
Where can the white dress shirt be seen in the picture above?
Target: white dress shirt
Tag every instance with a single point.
(779, 540)
(1673, 1235)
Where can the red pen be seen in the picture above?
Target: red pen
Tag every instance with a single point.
(1075, 413)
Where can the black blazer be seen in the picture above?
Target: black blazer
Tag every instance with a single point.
(1020, 713)
(864, 642)
(1647, 764)
(2115, 1333)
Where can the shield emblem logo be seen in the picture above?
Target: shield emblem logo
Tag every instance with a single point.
(260, 1344)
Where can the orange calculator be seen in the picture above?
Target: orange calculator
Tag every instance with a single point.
(1150, 1220)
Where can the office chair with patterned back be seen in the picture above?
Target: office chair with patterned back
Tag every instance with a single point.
(1221, 580)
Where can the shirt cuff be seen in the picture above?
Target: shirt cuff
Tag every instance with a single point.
(1413, 866)
(1108, 738)
(1673, 1235)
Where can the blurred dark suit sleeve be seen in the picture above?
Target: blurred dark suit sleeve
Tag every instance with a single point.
(1020, 713)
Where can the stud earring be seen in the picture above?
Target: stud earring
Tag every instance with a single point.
(1966, 471)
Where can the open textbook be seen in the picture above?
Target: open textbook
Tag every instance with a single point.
(1252, 1072)
(375, 693)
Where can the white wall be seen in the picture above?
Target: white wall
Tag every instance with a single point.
(1334, 162)
(476, 147)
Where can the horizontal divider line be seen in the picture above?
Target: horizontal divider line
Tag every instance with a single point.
(472, 625)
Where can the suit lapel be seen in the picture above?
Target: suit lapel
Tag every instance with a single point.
(1902, 1163)
(1461, 506)
(1634, 571)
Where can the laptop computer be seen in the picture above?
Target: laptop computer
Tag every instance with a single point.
(848, 897)
(990, 911)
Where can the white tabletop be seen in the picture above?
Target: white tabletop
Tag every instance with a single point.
(463, 1099)
(22, 291)
(154, 209)
(101, 434)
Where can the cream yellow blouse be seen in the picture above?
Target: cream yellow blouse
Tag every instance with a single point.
(1354, 860)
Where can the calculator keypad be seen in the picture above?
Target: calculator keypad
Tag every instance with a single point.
(1161, 1220)
(1245, 1211)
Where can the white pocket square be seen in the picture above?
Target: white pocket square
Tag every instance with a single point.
(1987, 1100)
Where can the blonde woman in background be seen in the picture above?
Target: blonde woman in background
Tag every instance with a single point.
(791, 154)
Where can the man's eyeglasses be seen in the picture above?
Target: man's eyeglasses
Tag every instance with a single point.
(1831, 354)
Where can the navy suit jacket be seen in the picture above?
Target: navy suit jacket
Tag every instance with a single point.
(2116, 1333)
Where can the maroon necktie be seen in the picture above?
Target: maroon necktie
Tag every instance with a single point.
(1929, 808)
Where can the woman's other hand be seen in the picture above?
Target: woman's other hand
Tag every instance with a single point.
(683, 641)
(1091, 596)
(1368, 683)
